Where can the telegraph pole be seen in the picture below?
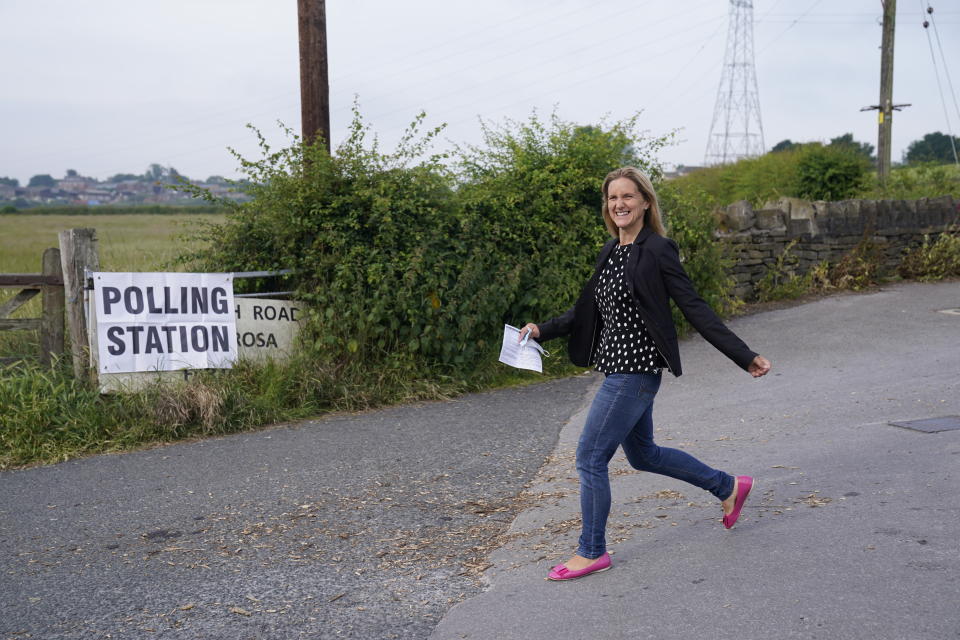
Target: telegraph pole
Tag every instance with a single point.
(886, 107)
(886, 90)
(314, 82)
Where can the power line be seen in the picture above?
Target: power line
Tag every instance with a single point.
(943, 58)
(817, 20)
(484, 45)
(792, 25)
(860, 14)
(770, 10)
(693, 57)
(499, 108)
(936, 73)
(611, 69)
(595, 44)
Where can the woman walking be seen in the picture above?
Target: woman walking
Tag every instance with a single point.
(621, 325)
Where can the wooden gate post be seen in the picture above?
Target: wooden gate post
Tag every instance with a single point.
(78, 253)
(51, 321)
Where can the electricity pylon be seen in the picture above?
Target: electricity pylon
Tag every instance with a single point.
(737, 131)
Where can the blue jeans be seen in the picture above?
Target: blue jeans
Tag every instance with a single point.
(622, 415)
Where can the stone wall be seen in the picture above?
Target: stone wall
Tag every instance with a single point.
(826, 231)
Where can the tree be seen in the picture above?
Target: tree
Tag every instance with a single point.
(846, 141)
(72, 173)
(123, 177)
(154, 173)
(10, 182)
(42, 180)
(159, 173)
(933, 147)
(784, 145)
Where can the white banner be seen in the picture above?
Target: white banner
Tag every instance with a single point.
(164, 321)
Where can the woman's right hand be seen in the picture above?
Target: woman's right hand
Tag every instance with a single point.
(530, 328)
(759, 367)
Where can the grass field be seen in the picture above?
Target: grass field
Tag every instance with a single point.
(132, 242)
(126, 242)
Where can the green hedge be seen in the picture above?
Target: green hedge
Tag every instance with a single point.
(415, 261)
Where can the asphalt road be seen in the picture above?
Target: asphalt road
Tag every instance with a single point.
(357, 526)
(852, 533)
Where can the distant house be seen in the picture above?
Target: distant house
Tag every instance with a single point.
(94, 197)
(130, 191)
(74, 184)
(226, 190)
(132, 186)
(41, 194)
(78, 190)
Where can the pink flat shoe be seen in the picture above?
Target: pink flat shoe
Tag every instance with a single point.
(744, 485)
(560, 572)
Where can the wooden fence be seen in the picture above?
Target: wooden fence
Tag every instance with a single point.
(49, 285)
(60, 285)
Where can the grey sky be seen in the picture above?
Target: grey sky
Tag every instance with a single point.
(110, 86)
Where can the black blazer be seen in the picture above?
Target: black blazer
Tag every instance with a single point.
(654, 273)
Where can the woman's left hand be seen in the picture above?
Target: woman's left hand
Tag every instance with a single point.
(759, 367)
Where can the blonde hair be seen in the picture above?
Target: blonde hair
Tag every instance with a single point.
(651, 217)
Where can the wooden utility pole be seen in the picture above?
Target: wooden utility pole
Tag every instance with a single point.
(314, 83)
(886, 107)
(886, 90)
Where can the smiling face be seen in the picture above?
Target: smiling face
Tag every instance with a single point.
(626, 207)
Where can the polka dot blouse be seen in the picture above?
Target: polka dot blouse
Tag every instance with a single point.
(625, 343)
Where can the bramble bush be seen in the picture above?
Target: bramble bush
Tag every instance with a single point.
(367, 234)
(409, 263)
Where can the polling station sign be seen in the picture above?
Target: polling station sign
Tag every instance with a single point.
(164, 321)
